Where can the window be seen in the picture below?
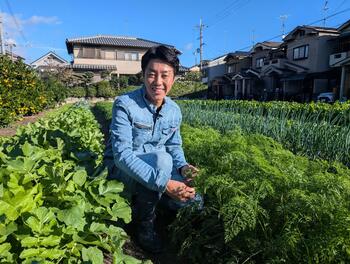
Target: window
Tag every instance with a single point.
(301, 52)
(259, 62)
(231, 68)
(90, 53)
(128, 56)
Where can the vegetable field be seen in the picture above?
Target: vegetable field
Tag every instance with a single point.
(275, 180)
(56, 205)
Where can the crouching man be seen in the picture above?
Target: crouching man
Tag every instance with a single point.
(145, 149)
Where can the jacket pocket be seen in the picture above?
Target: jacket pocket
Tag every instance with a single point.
(141, 133)
(167, 133)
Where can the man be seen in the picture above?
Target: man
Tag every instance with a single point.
(145, 146)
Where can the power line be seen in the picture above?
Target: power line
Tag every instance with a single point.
(236, 5)
(317, 21)
(16, 22)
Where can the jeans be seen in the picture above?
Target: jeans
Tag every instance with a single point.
(145, 200)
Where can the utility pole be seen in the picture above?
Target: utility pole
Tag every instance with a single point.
(325, 12)
(2, 36)
(283, 19)
(253, 38)
(201, 44)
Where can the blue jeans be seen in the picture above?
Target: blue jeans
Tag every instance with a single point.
(146, 200)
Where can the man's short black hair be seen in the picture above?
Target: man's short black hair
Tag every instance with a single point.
(161, 52)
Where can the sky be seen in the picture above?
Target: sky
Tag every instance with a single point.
(39, 26)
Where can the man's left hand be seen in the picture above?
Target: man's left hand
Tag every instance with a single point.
(189, 171)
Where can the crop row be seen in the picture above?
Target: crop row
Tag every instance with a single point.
(334, 114)
(56, 205)
(315, 139)
(263, 204)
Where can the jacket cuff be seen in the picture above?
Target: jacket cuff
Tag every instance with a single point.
(161, 181)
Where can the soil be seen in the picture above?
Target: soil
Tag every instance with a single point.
(11, 130)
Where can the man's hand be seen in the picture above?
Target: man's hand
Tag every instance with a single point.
(189, 171)
(179, 191)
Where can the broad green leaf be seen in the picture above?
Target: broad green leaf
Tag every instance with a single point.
(10, 212)
(110, 186)
(73, 217)
(6, 230)
(98, 228)
(53, 253)
(29, 253)
(27, 149)
(5, 255)
(29, 242)
(92, 254)
(4, 248)
(121, 210)
(79, 177)
(50, 241)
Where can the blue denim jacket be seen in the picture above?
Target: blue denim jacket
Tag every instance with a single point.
(137, 128)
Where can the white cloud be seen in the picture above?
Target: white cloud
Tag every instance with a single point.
(34, 20)
(16, 29)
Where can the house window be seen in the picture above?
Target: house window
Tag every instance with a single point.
(131, 56)
(90, 53)
(127, 56)
(259, 62)
(231, 68)
(301, 52)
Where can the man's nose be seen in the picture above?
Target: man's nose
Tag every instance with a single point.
(158, 79)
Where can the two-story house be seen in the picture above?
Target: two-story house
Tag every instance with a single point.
(230, 85)
(299, 69)
(213, 68)
(49, 62)
(115, 54)
(340, 59)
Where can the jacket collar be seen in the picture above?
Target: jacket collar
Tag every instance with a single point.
(151, 106)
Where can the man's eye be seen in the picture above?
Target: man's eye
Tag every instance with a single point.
(165, 76)
(151, 75)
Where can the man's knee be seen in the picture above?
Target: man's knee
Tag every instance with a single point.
(159, 160)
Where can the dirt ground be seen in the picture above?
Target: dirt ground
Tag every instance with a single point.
(11, 130)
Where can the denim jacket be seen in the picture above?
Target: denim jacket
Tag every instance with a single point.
(137, 128)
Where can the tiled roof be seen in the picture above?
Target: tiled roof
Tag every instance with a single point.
(92, 67)
(118, 41)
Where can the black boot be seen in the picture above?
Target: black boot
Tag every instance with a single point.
(143, 215)
(147, 237)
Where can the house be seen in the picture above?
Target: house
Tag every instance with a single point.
(113, 54)
(49, 62)
(195, 68)
(340, 59)
(227, 86)
(213, 68)
(13, 56)
(299, 69)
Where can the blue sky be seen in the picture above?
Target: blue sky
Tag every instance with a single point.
(43, 25)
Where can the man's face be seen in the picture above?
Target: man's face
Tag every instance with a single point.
(159, 78)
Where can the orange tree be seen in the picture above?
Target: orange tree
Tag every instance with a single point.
(21, 91)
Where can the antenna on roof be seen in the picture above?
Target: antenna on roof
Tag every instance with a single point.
(283, 19)
(325, 12)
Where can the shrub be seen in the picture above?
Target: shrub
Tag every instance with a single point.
(77, 91)
(119, 82)
(104, 89)
(91, 91)
(21, 91)
(56, 90)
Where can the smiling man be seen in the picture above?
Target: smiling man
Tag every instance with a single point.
(145, 149)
